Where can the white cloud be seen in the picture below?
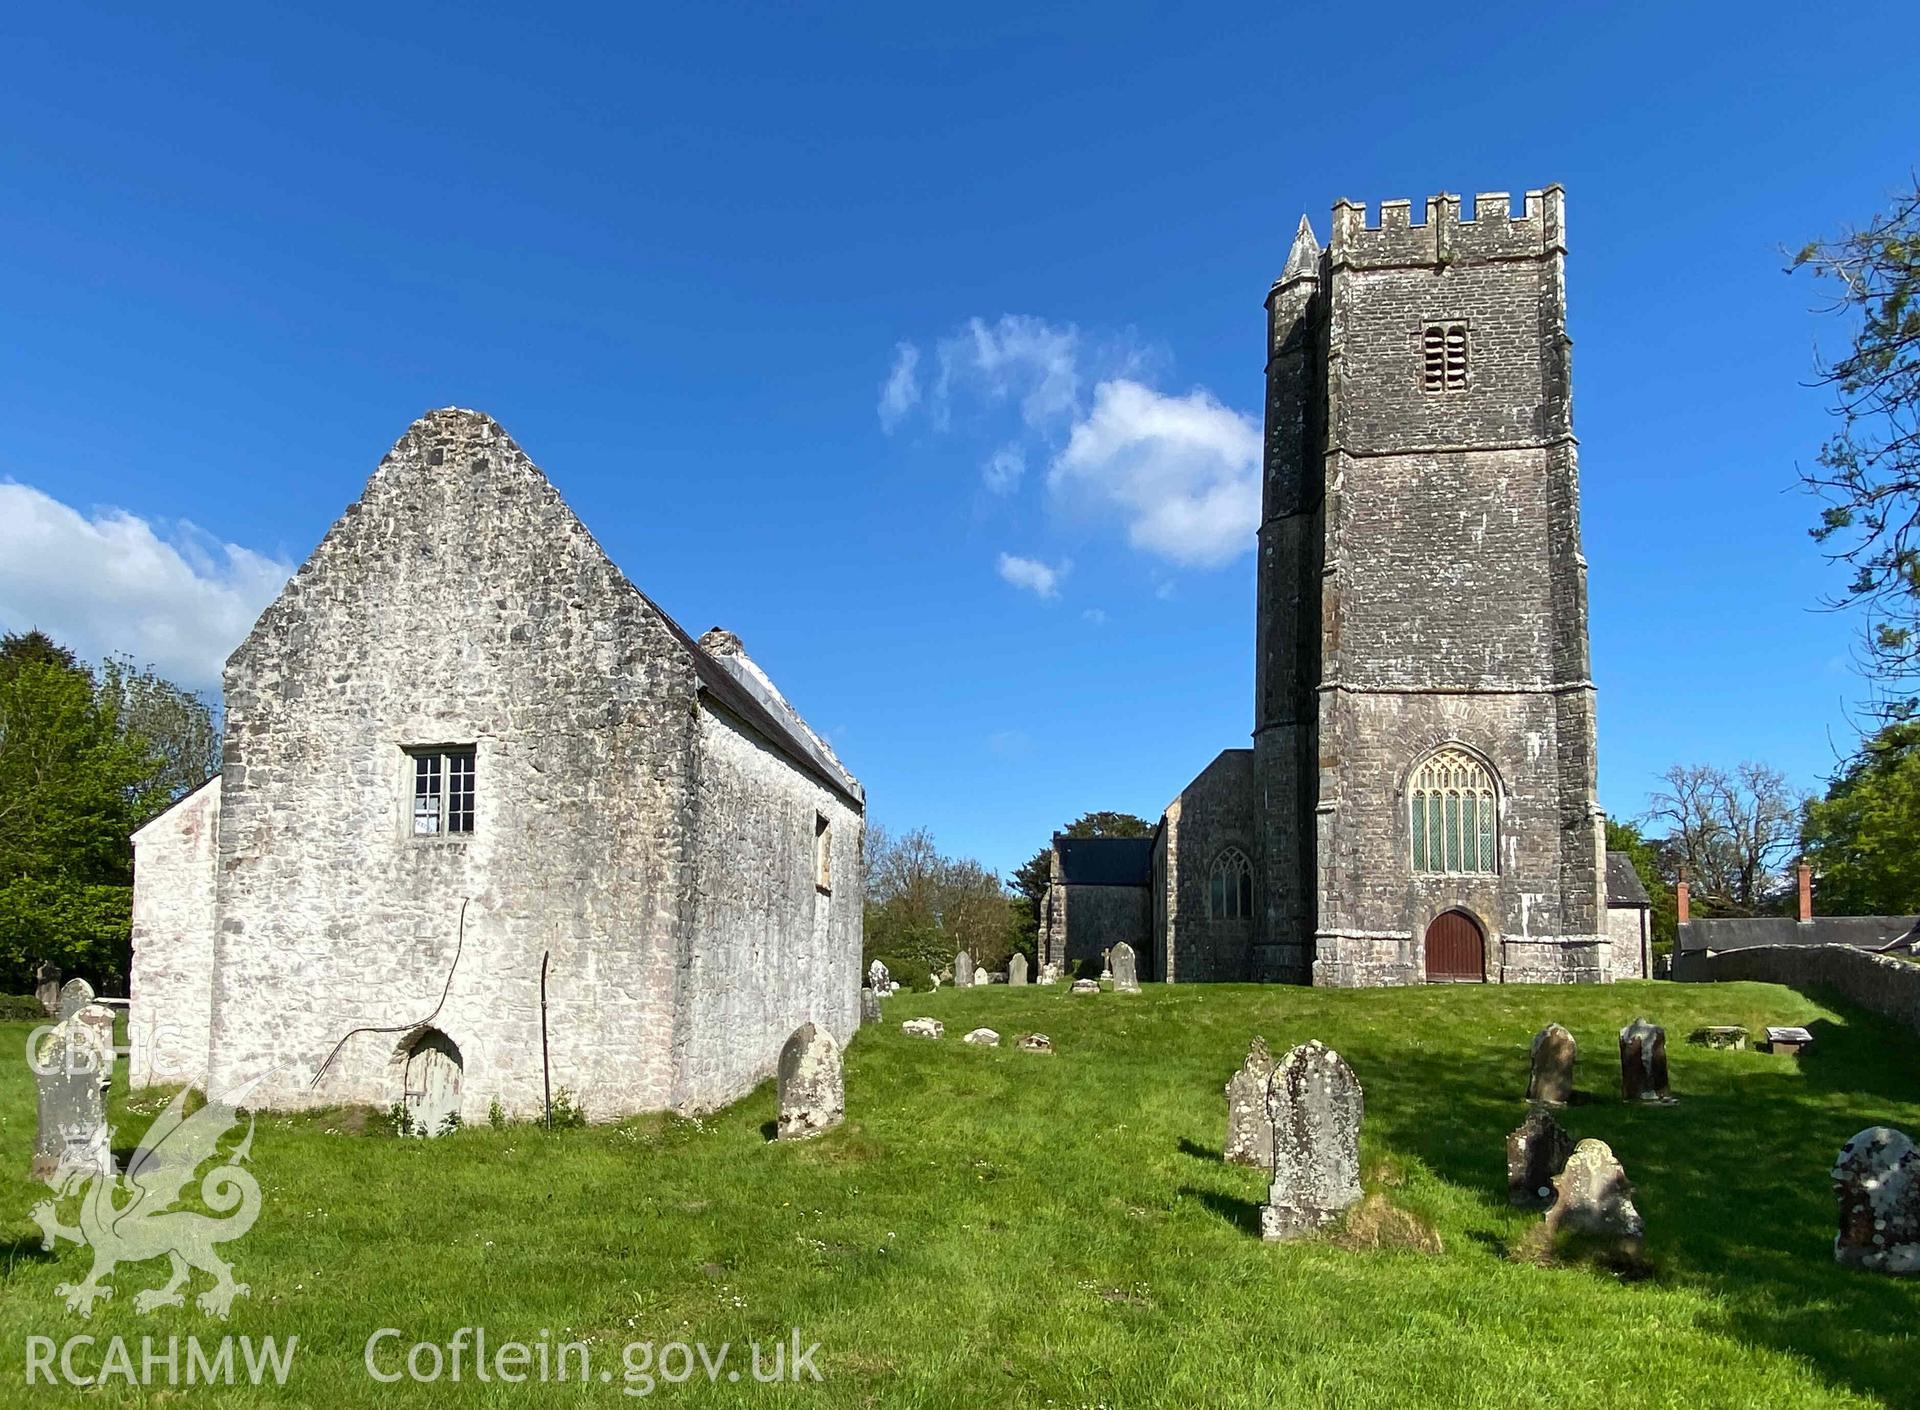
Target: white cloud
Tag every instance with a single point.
(112, 583)
(1033, 575)
(900, 393)
(1184, 472)
(1015, 358)
(1004, 468)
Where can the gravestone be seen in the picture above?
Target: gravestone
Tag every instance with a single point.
(1315, 1104)
(1730, 1038)
(1643, 1062)
(869, 1007)
(1553, 1054)
(982, 976)
(1249, 1128)
(963, 970)
(1106, 969)
(1126, 975)
(923, 1028)
(1084, 986)
(1035, 1043)
(1788, 1041)
(1876, 1179)
(813, 1097)
(1593, 1208)
(1537, 1151)
(1049, 973)
(878, 977)
(73, 1068)
(1017, 969)
(46, 987)
(983, 1038)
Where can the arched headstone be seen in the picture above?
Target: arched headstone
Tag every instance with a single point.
(1249, 1128)
(813, 1095)
(1126, 973)
(1316, 1106)
(1553, 1054)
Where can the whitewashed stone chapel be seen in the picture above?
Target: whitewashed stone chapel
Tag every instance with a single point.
(491, 824)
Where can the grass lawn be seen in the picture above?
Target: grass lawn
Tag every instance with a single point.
(992, 1227)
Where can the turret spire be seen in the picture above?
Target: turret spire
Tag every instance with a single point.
(1304, 259)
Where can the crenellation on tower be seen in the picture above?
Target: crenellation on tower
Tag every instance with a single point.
(1446, 236)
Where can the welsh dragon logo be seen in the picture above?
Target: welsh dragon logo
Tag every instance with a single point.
(147, 1226)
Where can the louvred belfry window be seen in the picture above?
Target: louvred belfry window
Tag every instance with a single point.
(1443, 351)
(1454, 809)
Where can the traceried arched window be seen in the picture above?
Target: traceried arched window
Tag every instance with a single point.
(1455, 810)
(1230, 886)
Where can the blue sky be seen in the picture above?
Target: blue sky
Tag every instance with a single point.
(679, 256)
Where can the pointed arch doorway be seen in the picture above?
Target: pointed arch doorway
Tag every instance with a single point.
(1456, 950)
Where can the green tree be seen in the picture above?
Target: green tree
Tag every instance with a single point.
(73, 786)
(1868, 472)
(1860, 837)
(1647, 865)
(923, 908)
(176, 726)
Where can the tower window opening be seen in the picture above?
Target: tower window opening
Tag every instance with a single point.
(1443, 349)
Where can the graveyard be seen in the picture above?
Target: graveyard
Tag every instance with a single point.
(992, 1225)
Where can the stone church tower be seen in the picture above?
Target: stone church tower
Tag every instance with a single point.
(1424, 757)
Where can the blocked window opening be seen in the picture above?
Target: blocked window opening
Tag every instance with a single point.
(1443, 348)
(1230, 886)
(822, 852)
(443, 790)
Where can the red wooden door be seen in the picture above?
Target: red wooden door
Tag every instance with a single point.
(1456, 950)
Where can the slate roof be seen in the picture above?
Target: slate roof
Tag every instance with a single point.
(1105, 861)
(1623, 882)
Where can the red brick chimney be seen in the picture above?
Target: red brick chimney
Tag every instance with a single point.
(1680, 901)
(1805, 873)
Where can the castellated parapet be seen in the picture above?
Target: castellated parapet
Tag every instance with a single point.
(1493, 232)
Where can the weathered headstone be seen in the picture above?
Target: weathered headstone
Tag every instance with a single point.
(1106, 969)
(1643, 1062)
(1017, 969)
(1876, 1179)
(1729, 1038)
(1249, 1128)
(1315, 1104)
(923, 1028)
(1593, 1210)
(878, 978)
(1553, 1054)
(1035, 1043)
(982, 976)
(1084, 986)
(983, 1038)
(1049, 973)
(73, 1068)
(813, 1098)
(1126, 974)
(1537, 1151)
(869, 1007)
(46, 987)
(963, 970)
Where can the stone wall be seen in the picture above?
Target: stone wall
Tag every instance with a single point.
(772, 948)
(1629, 942)
(1876, 982)
(170, 986)
(1097, 918)
(458, 602)
(1745, 932)
(1214, 812)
